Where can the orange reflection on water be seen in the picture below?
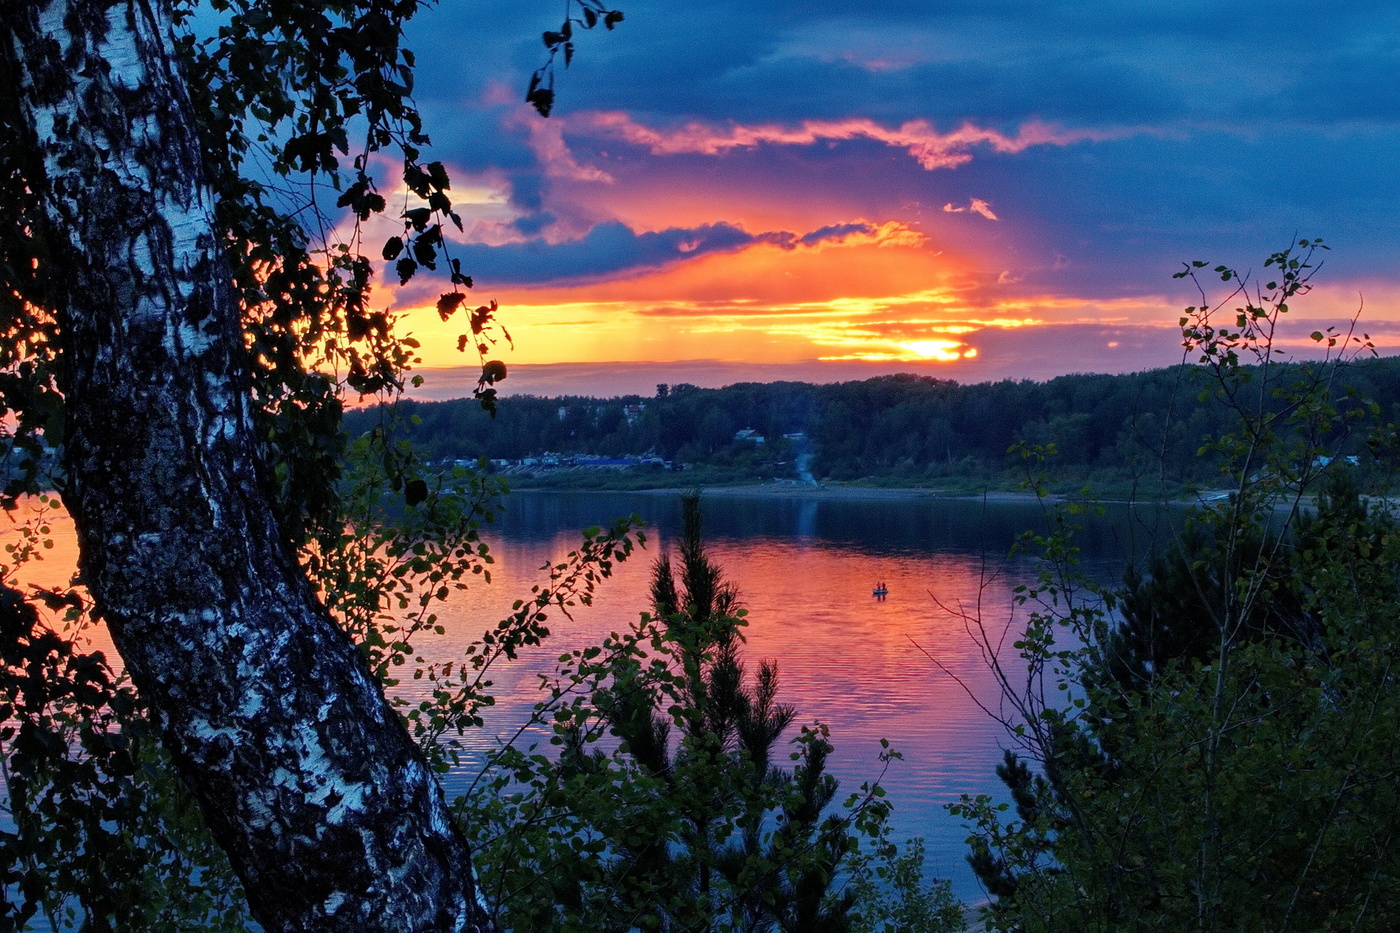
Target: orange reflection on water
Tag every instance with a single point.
(859, 664)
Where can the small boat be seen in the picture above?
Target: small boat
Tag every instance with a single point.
(880, 592)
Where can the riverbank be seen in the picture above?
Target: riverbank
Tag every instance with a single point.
(857, 493)
(1005, 485)
(843, 492)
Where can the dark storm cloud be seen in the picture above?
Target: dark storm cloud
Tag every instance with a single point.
(1080, 61)
(1226, 127)
(833, 232)
(1184, 64)
(611, 249)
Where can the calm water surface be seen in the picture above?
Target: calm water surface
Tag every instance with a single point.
(805, 566)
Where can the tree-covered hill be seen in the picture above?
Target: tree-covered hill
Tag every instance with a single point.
(902, 428)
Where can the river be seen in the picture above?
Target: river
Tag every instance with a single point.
(805, 562)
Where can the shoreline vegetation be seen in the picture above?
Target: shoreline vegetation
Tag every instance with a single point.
(855, 492)
(1141, 437)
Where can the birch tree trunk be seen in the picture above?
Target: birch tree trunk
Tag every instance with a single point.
(305, 774)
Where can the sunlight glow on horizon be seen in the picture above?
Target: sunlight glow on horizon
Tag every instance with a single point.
(893, 292)
(946, 350)
(921, 326)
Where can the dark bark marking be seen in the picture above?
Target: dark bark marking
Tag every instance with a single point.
(305, 774)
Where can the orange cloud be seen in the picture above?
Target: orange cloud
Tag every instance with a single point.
(859, 266)
(975, 205)
(852, 299)
(547, 142)
(932, 149)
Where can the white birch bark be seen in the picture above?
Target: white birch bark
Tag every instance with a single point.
(307, 777)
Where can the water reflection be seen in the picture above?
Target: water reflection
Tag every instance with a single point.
(805, 566)
(806, 522)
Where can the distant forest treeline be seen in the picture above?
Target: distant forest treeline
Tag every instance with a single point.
(902, 429)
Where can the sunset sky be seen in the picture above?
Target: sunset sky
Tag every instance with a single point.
(977, 190)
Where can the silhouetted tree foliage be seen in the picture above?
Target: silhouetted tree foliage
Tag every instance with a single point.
(668, 807)
(1148, 426)
(176, 291)
(1221, 755)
